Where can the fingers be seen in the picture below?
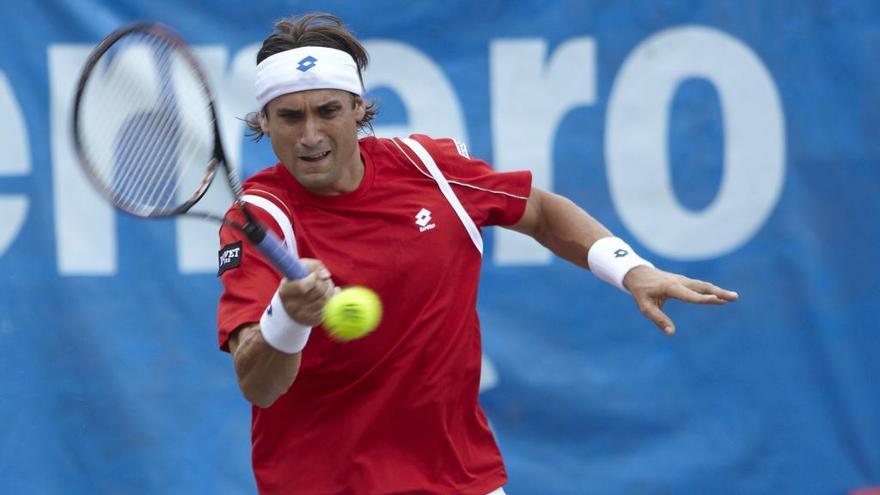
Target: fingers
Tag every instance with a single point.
(304, 299)
(683, 293)
(710, 289)
(651, 288)
(651, 309)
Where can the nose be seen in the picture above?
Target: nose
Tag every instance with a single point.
(312, 135)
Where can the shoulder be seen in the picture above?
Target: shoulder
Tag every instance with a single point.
(438, 147)
(450, 148)
(268, 178)
(388, 153)
(271, 184)
(445, 152)
(441, 149)
(450, 155)
(266, 190)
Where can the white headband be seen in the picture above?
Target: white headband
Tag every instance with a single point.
(308, 67)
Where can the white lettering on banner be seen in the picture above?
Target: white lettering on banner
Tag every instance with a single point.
(636, 145)
(531, 91)
(431, 102)
(15, 159)
(85, 226)
(530, 96)
(488, 374)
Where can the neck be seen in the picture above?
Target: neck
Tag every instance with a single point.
(351, 176)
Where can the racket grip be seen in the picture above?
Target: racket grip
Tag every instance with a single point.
(274, 251)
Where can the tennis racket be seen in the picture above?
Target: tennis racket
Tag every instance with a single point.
(145, 131)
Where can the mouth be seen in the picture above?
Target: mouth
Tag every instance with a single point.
(315, 157)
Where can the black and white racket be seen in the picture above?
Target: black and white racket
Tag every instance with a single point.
(145, 131)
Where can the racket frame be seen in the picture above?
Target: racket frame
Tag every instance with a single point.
(156, 30)
(264, 240)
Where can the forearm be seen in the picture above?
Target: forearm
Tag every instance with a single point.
(562, 226)
(264, 373)
(571, 233)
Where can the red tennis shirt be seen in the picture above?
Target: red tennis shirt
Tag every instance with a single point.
(396, 411)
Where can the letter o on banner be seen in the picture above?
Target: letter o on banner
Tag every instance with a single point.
(637, 152)
(15, 159)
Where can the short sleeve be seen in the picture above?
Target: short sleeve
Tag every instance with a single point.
(490, 197)
(249, 281)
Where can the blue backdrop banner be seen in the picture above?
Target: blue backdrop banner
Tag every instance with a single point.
(731, 141)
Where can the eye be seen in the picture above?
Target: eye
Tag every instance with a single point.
(330, 110)
(289, 115)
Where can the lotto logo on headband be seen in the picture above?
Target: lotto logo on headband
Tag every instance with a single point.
(306, 63)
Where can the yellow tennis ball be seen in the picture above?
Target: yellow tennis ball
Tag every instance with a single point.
(352, 313)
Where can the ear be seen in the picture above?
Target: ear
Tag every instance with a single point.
(360, 108)
(264, 122)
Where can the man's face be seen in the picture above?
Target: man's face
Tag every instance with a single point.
(314, 133)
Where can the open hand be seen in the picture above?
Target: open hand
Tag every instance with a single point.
(651, 288)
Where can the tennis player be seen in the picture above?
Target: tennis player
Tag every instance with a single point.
(397, 411)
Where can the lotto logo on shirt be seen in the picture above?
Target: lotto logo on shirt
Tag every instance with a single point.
(423, 220)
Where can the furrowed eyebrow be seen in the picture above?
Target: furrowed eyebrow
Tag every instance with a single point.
(288, 112)
(330, 105)
(296, 113)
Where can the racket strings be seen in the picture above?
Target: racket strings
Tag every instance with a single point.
(145, 126)
(160, 157)
(182, 142)
(159, 153)
(118, 167)
(133, 187)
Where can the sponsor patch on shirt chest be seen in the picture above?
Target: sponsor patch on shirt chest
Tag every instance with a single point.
(229, 257)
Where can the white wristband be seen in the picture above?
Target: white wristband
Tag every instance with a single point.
(610, 259)
(280, 330)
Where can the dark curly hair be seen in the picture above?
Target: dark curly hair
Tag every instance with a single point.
(316, 29)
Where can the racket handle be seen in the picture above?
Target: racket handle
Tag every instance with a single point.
(274, 251)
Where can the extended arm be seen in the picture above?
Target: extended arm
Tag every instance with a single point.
(264, 371)
(560, 225)
(569, 232)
